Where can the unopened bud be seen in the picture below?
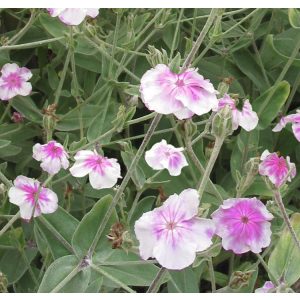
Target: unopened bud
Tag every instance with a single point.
(156, 57)
(209, 149)
(17, 117)
(187, 127)
(2, 188)
(222, 122)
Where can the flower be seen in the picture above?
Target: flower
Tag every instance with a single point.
(73, 16)
(266, 288)
(243, 224)
(173, 233)
(103, 172)
(182, 94)
(294, 119)
(247, 118)
(165, 156)
(52, 155)
(276, 168)
(13, 81)
(29, 195)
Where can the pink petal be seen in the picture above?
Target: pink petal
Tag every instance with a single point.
(72, 16)
(296, 131)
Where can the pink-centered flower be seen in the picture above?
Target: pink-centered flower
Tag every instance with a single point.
(268, 287)
(73, 16)
(103, 172)
(243, 224)
(276, 168)
(294, 119)
(13, 81)
(173, 233)
(52, 155)
(246, 118)
(165, 156)
(30, 196)
(182, 94)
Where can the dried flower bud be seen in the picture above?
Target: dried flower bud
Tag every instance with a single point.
(17, 117)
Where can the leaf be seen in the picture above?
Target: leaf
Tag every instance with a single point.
(56, 227)
(13, 265)
(284, 261)
(27, 108)
(294, 17)
(248, 65)
(128, 268)
(89, 225)
(64, 275)
(269, 104)
(184, 281)
(4, 143)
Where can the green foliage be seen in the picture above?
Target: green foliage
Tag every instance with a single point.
(86, 96)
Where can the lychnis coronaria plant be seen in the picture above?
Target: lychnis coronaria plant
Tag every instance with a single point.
(149, 150)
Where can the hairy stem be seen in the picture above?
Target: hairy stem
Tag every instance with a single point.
(279, 202)
(125, 181)
(156, 283)
(214, 155)
(200, 39)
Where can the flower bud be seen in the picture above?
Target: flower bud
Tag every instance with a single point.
(156, 57)
(222, 123)
(17, 117)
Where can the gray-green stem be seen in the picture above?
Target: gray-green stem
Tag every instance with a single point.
(200, 39)
(156, 283)
(279, 202)
(214, 155)
(125, 181)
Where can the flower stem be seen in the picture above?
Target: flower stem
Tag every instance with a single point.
(279, 202)
(9, 223)
(156, 283)
(214, 155)
(212, 275)
(125, 181)
(5, 180)
(272, 277)
(208, 24)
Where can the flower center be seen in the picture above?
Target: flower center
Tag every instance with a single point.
(13, 80)
(244, 219)
(171, 225)
(180, 83)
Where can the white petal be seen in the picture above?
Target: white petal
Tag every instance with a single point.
(107, 180)
(72, 16)
(296, 130)
(183, 113)
(6, 93)
(50, 205)
(25, 89)
(26, 211)
(144, 233)
(9, 68)
(248, 118)
(16, 196)
(79, 169)
(37, 152)
(52, 166)
(174, 257)
(264, 155)
(92, 12)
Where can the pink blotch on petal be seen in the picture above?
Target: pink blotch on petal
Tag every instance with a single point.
(266, 288)
(52, 155)
(182, 94)
(165, 156)
(28, 194)
(173, 233)
(243, 224)
(103, 172)
(13, 81)
(276, 168)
